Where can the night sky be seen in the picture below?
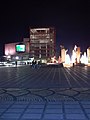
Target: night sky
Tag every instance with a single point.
(71, 19)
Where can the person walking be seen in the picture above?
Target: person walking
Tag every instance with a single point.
(16, 63)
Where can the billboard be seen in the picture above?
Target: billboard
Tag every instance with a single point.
(20, 48)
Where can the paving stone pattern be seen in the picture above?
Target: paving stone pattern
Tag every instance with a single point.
(44, 77)
(45, 93)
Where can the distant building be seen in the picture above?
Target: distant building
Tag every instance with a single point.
(42, 43)
(78, 54)
(18, 50)
(88, 54)
(63, 54)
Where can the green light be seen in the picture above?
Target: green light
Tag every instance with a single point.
(20, 48)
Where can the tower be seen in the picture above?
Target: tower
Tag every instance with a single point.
(78, 54)
(63, 53)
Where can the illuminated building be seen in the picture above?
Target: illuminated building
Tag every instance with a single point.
(13, 50)
(63, 54)
(10, 49)
(42, 43)
(78, 54)
(88, 54)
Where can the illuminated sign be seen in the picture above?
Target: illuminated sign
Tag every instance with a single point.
(20, 48)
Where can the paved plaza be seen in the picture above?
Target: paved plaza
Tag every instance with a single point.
(44, 77)
(47, 93)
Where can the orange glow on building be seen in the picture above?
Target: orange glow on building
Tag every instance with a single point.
(88, 54)
(78, 54)
(63, 54)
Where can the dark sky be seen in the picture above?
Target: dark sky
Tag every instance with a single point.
(71, 19)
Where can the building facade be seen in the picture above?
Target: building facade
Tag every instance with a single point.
(18, 50)
(42, 43)
(88, 54)
(63, 54)
(78, 55)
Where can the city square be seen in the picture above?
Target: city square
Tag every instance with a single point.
(45, 60)
(45, 77)
(47, 93)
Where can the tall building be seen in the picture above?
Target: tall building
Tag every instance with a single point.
(42, 43)
(78, 54)
(88, 54)
(63, 54)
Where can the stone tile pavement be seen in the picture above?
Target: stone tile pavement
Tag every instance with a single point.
(45, 104)
(65, 97)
